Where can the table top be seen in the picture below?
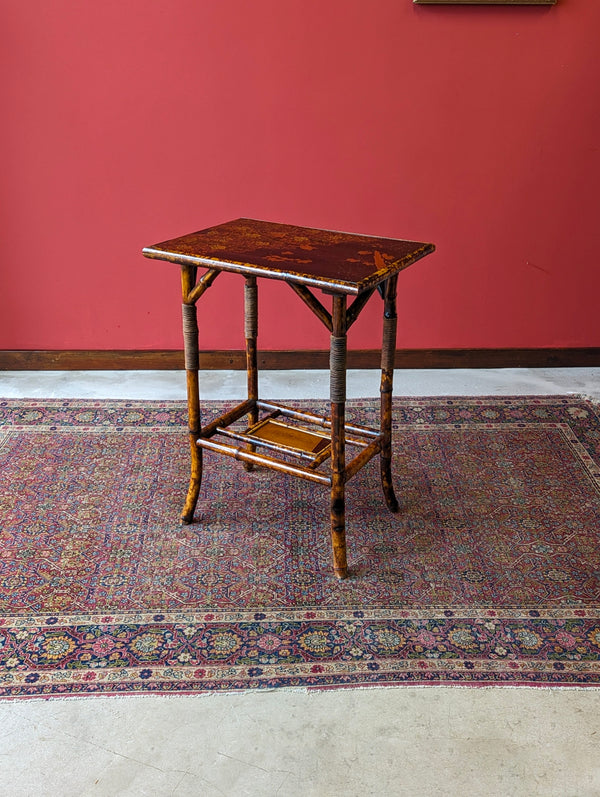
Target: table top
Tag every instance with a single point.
(337, 262)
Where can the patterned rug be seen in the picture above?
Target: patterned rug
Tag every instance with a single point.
(489, 574)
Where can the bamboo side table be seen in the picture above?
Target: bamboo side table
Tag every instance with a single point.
(276, 436)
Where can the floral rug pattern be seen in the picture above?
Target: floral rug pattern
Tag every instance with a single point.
(489, 574)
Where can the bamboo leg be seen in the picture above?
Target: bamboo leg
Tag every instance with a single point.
(190, 338)
(251, 333)
(338, 415)
(388, 351)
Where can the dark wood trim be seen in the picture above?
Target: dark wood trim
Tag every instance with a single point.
(166, 360)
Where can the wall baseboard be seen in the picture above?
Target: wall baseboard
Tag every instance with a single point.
(166, 360)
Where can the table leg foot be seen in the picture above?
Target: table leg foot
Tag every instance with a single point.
(187, 514)
(338, 536)
(388, 487)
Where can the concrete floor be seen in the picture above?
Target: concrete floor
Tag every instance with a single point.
(299, 384)
(388, 741)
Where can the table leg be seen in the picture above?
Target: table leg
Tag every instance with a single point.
(190, 339)
(388, 351)
(251, 333)
(338, 442)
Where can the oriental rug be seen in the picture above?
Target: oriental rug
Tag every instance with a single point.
(489, 573)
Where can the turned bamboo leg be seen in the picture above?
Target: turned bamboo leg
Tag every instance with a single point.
(388, 351)
(251, 333)
(190, 339)
(338, 416)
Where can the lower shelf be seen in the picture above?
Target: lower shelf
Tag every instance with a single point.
(297, 449)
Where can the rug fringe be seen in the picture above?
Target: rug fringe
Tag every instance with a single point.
(595, 400)
(309, 693)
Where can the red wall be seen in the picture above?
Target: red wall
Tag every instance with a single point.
(126, 122)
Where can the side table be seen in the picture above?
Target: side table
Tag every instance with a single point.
(276, 436)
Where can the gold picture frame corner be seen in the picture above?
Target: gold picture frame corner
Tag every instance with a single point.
(488, 2)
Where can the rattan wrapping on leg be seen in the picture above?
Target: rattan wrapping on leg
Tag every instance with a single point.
(337, 369)
(250, 308)
(388, 349)
(190, 337)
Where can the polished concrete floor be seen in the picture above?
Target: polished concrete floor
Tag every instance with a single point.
(391, 741)
(299, 384)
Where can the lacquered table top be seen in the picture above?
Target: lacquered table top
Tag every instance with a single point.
(335, 261)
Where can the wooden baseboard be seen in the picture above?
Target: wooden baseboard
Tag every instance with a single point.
(166, 360)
